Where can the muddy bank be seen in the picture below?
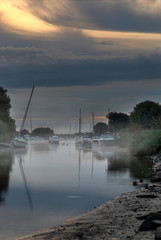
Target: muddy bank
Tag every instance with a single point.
(135, 215)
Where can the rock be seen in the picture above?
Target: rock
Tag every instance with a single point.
(156, 223)
(158, 234)
(135, 183)
(146, 195)
(149, 223)
(156, 179)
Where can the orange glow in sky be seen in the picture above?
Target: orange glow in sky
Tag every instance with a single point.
(121, 35)
(101, 117)
(16, 17)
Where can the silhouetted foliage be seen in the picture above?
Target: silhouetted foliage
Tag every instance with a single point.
(100, 128)
(7, 124)
(43, 132)
(144, 113)
(117, 121)
(156, 122)
(5, 169)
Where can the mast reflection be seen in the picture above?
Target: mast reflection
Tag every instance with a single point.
(25, 182)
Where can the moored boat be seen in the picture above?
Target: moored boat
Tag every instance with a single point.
(79, 142)
(87, 143)
(20, 141)
(54, 139)
(107, 139)
(96, 139)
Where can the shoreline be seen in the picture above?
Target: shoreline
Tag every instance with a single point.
(134, 215)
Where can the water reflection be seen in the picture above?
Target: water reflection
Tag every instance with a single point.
(25, 182)
(5, 169)
(61, 181)
(39, 145)
(102, 153)
(118, 161)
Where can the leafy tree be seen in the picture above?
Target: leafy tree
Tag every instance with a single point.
(43, 132)
(100, 128)
(144, 113)
(6, 120)
(156, 123)
(117, 121)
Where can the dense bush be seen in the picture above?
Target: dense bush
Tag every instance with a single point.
(4, 132)
(142, 142)
(147, 142)
(128, 134)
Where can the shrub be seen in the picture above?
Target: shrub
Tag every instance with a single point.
(147, 142)
(4, 132)
(141, 142)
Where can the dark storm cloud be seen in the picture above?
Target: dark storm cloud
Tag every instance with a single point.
(119, 15)
(22, 67)
(62, 13)
(128, 15)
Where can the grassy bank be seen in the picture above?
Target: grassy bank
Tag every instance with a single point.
(141, 142)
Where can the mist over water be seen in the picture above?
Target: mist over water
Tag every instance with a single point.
(45, 184)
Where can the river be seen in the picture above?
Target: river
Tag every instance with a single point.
(45, 184)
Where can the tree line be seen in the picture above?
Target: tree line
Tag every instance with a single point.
(7, 123)
(146, 115)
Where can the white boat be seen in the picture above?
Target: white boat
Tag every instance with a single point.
(96, 139)
(54, 139)
(87, 143)
(107, 139)
(27, 137)
(79, 142)
(20, 141)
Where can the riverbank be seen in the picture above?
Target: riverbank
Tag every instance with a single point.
(135, 215)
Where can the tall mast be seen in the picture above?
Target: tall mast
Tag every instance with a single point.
(31, 125)
(27, 108)
(80, 122)
(70, 127)
(75, 126)
(93, 122)
(108, 121)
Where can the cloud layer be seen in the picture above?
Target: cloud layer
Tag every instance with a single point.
(23, 66)
(92, 50)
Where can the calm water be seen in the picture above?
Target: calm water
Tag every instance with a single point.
(44, 185)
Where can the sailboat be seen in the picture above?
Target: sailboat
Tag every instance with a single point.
(20, 141)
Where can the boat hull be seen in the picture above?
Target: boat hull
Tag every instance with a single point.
(18, 143)
(54, 140)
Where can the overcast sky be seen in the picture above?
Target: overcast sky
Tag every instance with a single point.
(93, 54)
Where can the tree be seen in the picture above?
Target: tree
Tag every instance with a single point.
(156, 123)
(117, 121)
(43, 132)
(144, 113)
(100, 128)
(6, 119)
